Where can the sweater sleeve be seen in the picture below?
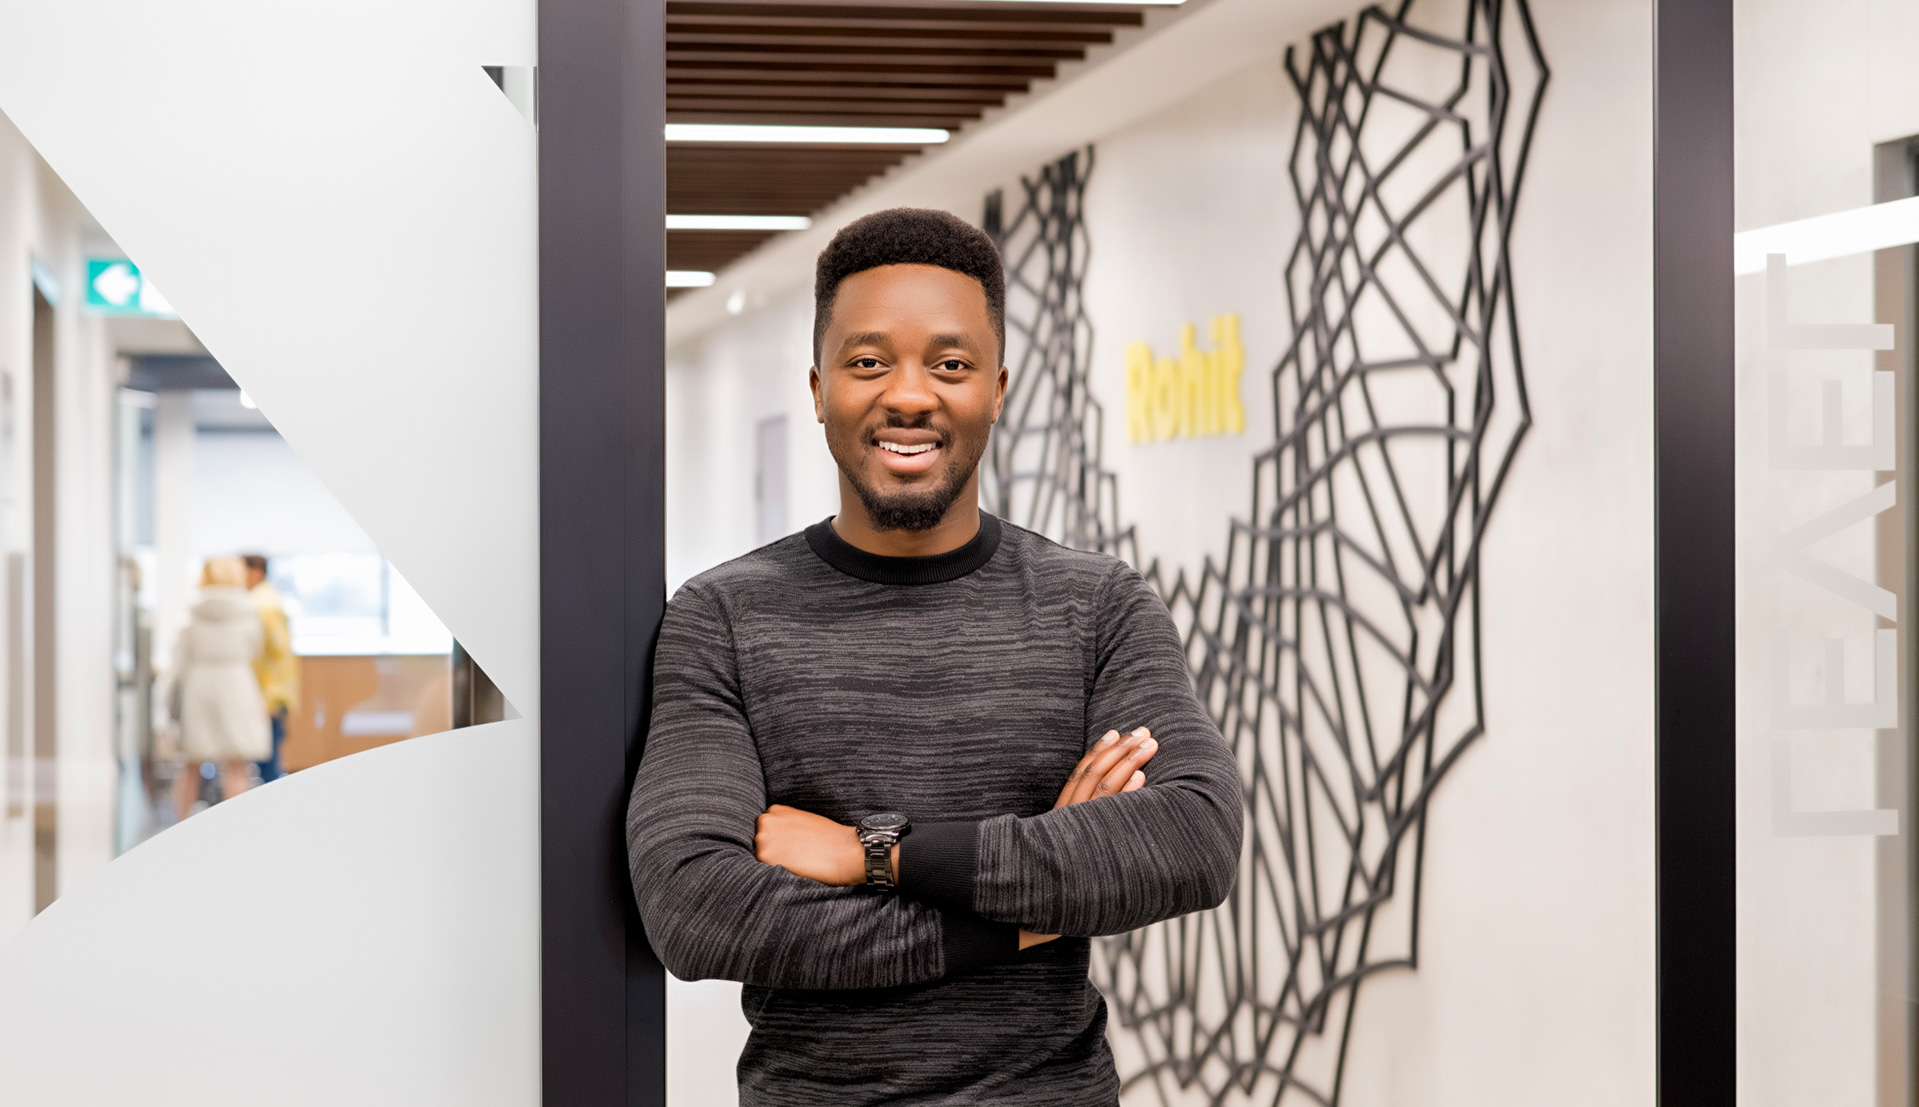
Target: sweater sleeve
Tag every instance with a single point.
(710, 907)
(1119, 862)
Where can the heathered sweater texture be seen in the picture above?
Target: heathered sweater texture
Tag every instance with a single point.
(961, 690)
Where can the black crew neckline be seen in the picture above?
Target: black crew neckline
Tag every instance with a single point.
(879, 569)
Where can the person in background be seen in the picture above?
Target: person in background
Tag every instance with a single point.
(277, 670)
(223, 718)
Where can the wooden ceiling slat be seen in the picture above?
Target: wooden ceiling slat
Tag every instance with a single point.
(932, 63)
(789, 104)
(1013, 36)
(916, 76)
(695, 240)
(1117, 15)
(731, 90)
(869, 70)
(808, 54)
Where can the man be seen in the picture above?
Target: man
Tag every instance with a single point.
(851, 798)
(275, 667)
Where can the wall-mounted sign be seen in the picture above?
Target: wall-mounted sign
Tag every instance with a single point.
(1195, 394)
(115, 287)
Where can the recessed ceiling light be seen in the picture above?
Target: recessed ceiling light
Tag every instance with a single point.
(737, 222)
(758, 132)
(688, 278)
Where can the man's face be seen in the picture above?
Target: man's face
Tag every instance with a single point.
(908, 386)
(254, 577)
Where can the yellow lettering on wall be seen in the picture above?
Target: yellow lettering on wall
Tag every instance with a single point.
(1139, 392)
(1193, 395)
(1229, 360)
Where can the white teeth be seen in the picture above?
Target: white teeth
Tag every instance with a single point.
(908, 451)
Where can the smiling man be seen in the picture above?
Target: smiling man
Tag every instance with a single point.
(894, 758)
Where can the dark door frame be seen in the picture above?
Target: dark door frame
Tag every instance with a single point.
(1693, 464)
(602, 549)
(602, 534)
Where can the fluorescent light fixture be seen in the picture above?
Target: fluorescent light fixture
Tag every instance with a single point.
(737, 222)
(1858, 231)
(756, 132)
(688, 278)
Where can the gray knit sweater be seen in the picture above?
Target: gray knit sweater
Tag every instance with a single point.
(960, 689)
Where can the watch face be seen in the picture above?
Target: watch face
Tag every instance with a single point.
(886, 820)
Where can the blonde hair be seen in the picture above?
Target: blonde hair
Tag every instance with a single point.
(228, 572)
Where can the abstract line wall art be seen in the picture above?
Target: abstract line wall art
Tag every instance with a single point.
(1336, 638)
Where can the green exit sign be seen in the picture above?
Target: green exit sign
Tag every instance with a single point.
(115, 287)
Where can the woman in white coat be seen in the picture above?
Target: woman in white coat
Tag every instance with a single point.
(223, 719)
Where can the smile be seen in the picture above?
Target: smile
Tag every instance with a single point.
(908, 451)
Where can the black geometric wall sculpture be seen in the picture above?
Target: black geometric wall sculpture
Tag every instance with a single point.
(1336, 641)
(1043, 470)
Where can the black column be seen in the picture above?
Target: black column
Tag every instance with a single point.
(602, 523)
(1693, 399)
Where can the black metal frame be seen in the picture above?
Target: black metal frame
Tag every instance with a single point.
(1693, 400)
(602, 496)
(602, 534)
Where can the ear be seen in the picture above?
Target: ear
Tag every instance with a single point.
(999, 392)
(819, 402)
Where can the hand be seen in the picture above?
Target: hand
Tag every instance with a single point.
(1110, 768)
(812, 846)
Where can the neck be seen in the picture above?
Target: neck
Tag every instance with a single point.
(956, 529)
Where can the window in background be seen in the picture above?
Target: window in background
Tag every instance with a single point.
(354, 603)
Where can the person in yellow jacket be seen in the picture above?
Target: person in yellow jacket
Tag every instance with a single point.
(275, 667)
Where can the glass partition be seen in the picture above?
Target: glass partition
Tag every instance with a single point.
(1825, 115)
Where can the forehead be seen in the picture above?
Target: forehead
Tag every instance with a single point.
(900, 299)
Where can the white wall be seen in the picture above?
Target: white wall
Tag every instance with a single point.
(716, 394)
(1536, 983)
(40, 221)
(1189, 221)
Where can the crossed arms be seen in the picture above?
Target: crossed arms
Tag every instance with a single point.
(733, 889)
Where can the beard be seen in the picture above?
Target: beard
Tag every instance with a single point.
(917, 509)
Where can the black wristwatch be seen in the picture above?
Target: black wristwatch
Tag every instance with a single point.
(878, 834)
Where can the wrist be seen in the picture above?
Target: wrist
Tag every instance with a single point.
(878, 837)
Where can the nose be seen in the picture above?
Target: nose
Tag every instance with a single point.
(909, 392)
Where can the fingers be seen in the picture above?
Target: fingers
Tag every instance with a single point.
(1134, 783)
(1132, 758)
(1108, 768)
(1079, 785)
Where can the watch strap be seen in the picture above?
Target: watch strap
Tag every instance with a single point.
(879, 856)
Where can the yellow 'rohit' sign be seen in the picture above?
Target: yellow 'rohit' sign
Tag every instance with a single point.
(1194, 394)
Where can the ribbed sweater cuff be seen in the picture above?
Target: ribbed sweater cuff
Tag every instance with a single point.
(939, 864)
(969, 942)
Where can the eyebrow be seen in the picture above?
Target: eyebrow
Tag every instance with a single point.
(867, 338)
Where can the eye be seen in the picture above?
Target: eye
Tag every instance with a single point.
(953, 365)
(866, 363)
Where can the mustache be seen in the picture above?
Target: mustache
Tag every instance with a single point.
(870, 436)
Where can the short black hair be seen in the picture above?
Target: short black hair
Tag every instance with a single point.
(256, 562)
(910, 236)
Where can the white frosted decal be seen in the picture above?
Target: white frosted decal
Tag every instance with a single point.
(341, 204)
(364, 932)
